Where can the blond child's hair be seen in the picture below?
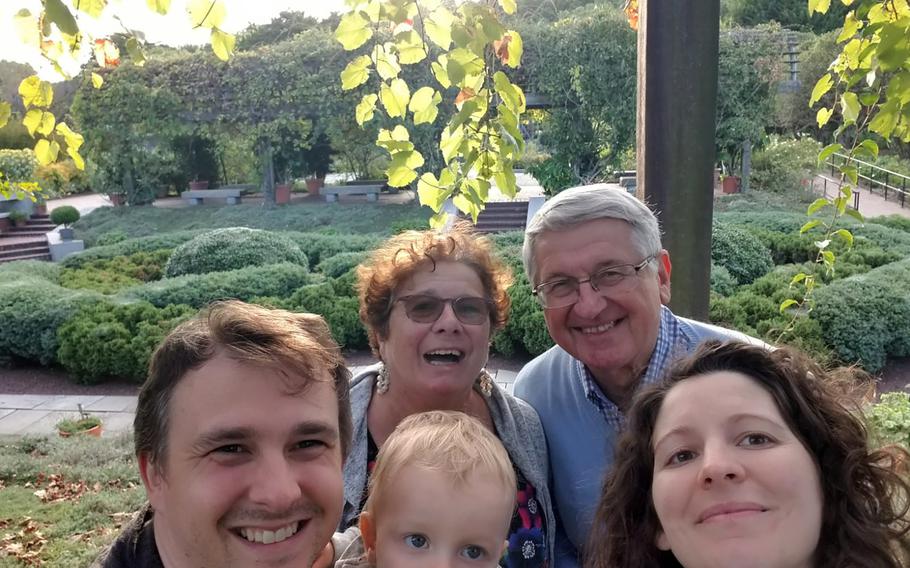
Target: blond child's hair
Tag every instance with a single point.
(446, 441)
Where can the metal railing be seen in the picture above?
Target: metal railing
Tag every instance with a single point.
(876, 177)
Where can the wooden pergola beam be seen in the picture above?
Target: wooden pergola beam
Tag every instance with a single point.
(677, 101)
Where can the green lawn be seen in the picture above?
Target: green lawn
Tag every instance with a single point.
(63, 500)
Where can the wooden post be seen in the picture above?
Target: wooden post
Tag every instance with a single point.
(677, 102)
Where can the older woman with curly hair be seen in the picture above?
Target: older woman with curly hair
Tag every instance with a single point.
(750, 458)
(430, 302)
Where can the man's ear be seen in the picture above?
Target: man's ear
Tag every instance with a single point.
(368, 533)
(664, 268)
(152, 478)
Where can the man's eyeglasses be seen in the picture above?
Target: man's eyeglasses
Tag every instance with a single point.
(564, 291)
(423, 308)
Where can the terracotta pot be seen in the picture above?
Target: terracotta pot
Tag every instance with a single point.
(283, 193)
(117, 199)
(95, 432)
(321, 180)
(731, 184)
(203, 184)
(41, 209)
(313, 185)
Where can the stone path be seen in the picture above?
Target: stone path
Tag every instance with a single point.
(31, 414)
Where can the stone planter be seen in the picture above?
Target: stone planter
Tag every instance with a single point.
(194, 185)
(66, 234)
(283, 193)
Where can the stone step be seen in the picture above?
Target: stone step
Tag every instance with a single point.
(46, 256)
(24, 251)
(20, 232)
(15, 243)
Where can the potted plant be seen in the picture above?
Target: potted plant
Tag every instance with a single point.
(117, 199)
(84, 424)
(730, 184)
(19, 218)
(40, 205)
(65, 215)
(317, 161)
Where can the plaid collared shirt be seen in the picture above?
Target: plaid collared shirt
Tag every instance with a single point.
(669, 341)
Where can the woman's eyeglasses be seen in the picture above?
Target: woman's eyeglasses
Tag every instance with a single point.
(423, 308)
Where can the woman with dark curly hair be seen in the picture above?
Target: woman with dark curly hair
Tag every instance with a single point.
(431, 301)
(744, 457)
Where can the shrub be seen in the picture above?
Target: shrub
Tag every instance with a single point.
(526, 330)
(31, 310)
(231, 249)
(786, 248)
(109, 276)
(130, 246)
(721, 281)
(111, 238)
(65, 215)
(893, 221)
(341, 263)
(554, 174)
(340, 312)
(18, 165)
(62, 178)
(318, 247)
(402, 225)
(784, 164)
(740, 252)
(889, 420)
(866, 318)
(12, 272)
(197, 290)
(105, 340)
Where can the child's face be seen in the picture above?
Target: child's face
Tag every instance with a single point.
(425, 520)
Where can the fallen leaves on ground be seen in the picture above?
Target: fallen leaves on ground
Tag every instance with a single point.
(26, 544)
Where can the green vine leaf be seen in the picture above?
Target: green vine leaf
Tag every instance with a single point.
(811, 224)
(159, 6)
(816, 206)
(356, 73)
(439, 27)
(97, 80)
(822, 86)
(846, 235)
(508, 6)
(823, 116)
(394, 97)
(787, 304)
(820, 6)
(365, 108)
(93, 8)
(36, 92)
(39, 121)
(850, 106)
(222, 44)
(353, 30)
(386, 63)
(828, 151)
(423, 104)
(46, 151)
(57, 13)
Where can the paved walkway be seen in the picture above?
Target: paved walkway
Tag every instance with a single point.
(871, 204)
(33, 414)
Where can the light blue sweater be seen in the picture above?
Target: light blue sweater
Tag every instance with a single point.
(579, 439)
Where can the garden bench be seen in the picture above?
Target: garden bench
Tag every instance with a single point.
(195, 196)
(333, 192)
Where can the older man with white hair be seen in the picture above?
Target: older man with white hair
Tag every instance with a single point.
(594, 258)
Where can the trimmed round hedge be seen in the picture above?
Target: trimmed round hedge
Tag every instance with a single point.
(232, 249)
(740, 252)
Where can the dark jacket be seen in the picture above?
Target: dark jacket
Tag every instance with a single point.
(135, 545)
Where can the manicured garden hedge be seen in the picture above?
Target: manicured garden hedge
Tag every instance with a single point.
(231, 249)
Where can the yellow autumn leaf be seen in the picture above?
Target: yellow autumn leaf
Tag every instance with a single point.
(97, 80)
(223, 44)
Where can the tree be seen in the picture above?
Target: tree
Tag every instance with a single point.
(749, 67)
(467, 50)
(55, 32)
(790, 15)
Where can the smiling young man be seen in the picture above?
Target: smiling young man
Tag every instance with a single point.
(594, 258)
(241, 431)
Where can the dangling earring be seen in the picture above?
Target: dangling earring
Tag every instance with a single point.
(382, 381)
(484, 383)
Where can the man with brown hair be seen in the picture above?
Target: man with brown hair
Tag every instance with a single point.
(241, 432)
